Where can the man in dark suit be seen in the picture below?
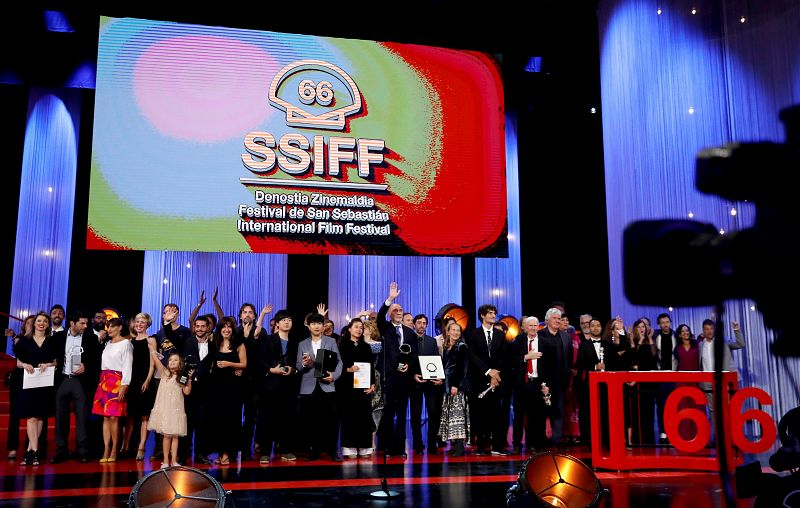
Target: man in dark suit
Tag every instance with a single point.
(591, 355)
(562, 343)
(270, 367)
(397, 370)
(431, 390)
(284, 403)
(198, 350)
(487, 355)
(77, 376)
(536, 360)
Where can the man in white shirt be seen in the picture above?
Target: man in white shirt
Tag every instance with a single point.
(528, 394)
(487, 354)
(397, 364)
(196, 352)
(56, 319)
(706, 345)
(77, 373)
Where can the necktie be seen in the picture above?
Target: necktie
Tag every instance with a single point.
(596, 340)
(400, 334)
(489, 342)
(530, 362)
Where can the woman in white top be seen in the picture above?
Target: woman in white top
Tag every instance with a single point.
(109, 399)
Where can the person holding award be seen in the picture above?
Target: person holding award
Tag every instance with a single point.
(397, 365)
(317, 389)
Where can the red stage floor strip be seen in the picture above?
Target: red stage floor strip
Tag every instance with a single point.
(360, 482)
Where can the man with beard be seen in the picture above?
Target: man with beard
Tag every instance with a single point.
(99, 325)
(56, 319)
(246, 330)
(591, 358)
(197, 353)
(430, 389)
(77, 375)
(585, 323)
(666, 342)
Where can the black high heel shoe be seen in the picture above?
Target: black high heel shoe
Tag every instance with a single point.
(27, 459)
(35, 455)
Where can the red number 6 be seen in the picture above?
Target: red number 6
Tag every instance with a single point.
(673, 418)
(769, 432)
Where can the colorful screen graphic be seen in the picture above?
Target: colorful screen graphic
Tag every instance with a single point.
(220, 139)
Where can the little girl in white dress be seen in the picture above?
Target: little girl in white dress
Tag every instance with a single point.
(168, 416)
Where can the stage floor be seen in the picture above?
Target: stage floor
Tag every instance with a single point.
(428, 481)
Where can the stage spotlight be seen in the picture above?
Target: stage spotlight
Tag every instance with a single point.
(512, 327)
(111, 313)
(177, 487)
(555, 479)
(454, 311)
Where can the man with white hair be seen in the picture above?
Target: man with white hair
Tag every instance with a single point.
(562, 346)
(535, 367)
(585, 323)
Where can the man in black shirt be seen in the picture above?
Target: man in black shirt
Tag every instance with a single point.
(665, 347)
(431, 390)
(562, 344)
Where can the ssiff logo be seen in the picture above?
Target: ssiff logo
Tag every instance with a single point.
(294, 153)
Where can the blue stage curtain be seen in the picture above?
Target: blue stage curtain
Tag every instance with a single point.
(674, 83)
(46, 202)
(357, 283)
(179, 277)
(498, 281)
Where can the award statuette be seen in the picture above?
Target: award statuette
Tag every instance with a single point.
(404, 357)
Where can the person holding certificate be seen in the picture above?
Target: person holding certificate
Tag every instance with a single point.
(36, 353)
(355, 389)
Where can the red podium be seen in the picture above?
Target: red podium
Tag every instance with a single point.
(686, 454)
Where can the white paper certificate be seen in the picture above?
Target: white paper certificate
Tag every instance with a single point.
(362, 375)
(431, 367)
(38, 379)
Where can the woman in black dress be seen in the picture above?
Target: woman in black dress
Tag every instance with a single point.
(141, 395)
(230, 359)
(14, 387)
(36, 352)
(356, 403)
(644, 397)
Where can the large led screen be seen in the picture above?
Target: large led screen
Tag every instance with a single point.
(219, 139)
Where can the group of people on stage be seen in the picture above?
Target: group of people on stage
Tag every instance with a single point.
(220, 387)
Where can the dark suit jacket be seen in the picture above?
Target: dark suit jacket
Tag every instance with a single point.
(546, 366)
(90, 358)
(268, 354)
(588, 359)
(563, 344)
(481, 359)
(391, 352)
(191, 353)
